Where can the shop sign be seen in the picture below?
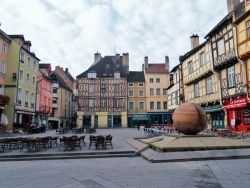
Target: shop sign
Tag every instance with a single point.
(140, 117)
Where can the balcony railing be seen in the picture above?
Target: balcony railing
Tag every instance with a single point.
(225, 60)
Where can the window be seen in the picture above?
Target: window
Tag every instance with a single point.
(131, 93)
(28, 78)
(171, 99)
(131, 105)
(20, 75)
(220, 47)
(151, 80)
(131, 85)
(19, 96)
(176, 97)
(92, 75)
(34, 66)
(158, 105)
(209, 85)
(116, 75)
(230, 77)
(22, 57)
(34, 82)
(141, 85)
(91, 88)
(117, 88)
(196, 90)
(158, 91)
(141, 105)
(1, 89)
(248, 28)
(118, 103)
(202, 59)
(4, 48)
(26, 98)
(28, 62)
(103, 88)
(165, 91)
(141, 93)
(103, 103)
(165, 105)
(69, 104)
(151, 91)
(2, 69)
(190, 67)
(91, 103)
(152, 106)
(158, 80)
(32, 99)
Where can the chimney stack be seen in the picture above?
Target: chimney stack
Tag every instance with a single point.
(125, 61)
(231, 4)
(97, 57)
(166, 62)
(146, 62)
(194, 41)
(117, 58)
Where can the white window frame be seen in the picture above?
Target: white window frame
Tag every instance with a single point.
(141, 93)
(248, 28)
(165, 105)
(92, 75)
(141, 105)
(91, 103)
(117, 88)
(28, 62)
(196, 90)
(140, 84)
(220, 47)
(131, 93)
(158, 105)
(103, 88)
(202, 59)
(151, 91)
(27, 79)
(2, 69)
(117, 75)
(152, 105)
(4, 48)
(19, 95)
(164, 91)
(117, 103)
(22, 57)
(130, 85)
(131, 105)
(209, 85)
(103, 103)
(26, 96)
(32, 99)
(34, 82)
(190, 67)
(231, 77)
(34, 65)
(158, 80)
(21, 75)
(151, 80)
(91, 88)
(158, 91)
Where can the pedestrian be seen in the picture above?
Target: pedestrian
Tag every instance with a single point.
(138, 127)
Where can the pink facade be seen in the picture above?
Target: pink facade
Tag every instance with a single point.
(45, 89)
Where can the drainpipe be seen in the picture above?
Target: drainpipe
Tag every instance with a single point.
(36, 98)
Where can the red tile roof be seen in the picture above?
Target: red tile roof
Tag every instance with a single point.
(156, 68)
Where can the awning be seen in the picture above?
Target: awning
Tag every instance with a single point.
(235, 106)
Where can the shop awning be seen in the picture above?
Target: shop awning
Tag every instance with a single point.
(235, 106)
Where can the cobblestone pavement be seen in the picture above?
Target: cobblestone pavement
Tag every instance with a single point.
(134, 172)
(124, 172)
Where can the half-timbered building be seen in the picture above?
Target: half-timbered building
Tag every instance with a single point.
(231, 71)
(102, 92)
(243, 39)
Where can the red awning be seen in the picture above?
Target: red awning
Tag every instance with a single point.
(235, 106)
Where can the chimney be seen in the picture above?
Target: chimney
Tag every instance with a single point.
(66, 70)
(117, 58)
(194, 41)
(166, 62)
(146, 62)
(231, 4)
(142, 67)
(125, 61)
(97, 57)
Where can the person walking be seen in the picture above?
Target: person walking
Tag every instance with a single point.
(138, 127)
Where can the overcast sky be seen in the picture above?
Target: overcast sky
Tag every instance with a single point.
(68, 33)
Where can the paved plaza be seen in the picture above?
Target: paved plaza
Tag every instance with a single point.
(129, 172)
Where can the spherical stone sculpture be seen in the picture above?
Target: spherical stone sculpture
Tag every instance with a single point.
(189, 119)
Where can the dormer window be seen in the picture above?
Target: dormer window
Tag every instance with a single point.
(92, 75)
(116, 75)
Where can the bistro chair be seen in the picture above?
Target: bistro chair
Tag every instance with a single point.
(108, 141)
(92, 140)
(100, 141)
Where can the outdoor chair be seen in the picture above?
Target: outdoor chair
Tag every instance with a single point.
(108, 141)
(68, 143)
(100, 141)
(76, 143)
(92, 140)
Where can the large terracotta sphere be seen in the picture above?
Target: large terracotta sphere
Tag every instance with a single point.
(189, 118)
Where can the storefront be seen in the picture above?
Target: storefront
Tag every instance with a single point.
(158, 118)
(238, 112)
(139, 119)
(215, 116)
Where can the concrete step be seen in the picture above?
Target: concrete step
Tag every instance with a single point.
(59, 156)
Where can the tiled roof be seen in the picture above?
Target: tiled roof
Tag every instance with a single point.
(185, 56)
(5, 36)
(156, 68)
(175, 68)
(44, 75)
(136, 76)
(61, 82)
(106, 67)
